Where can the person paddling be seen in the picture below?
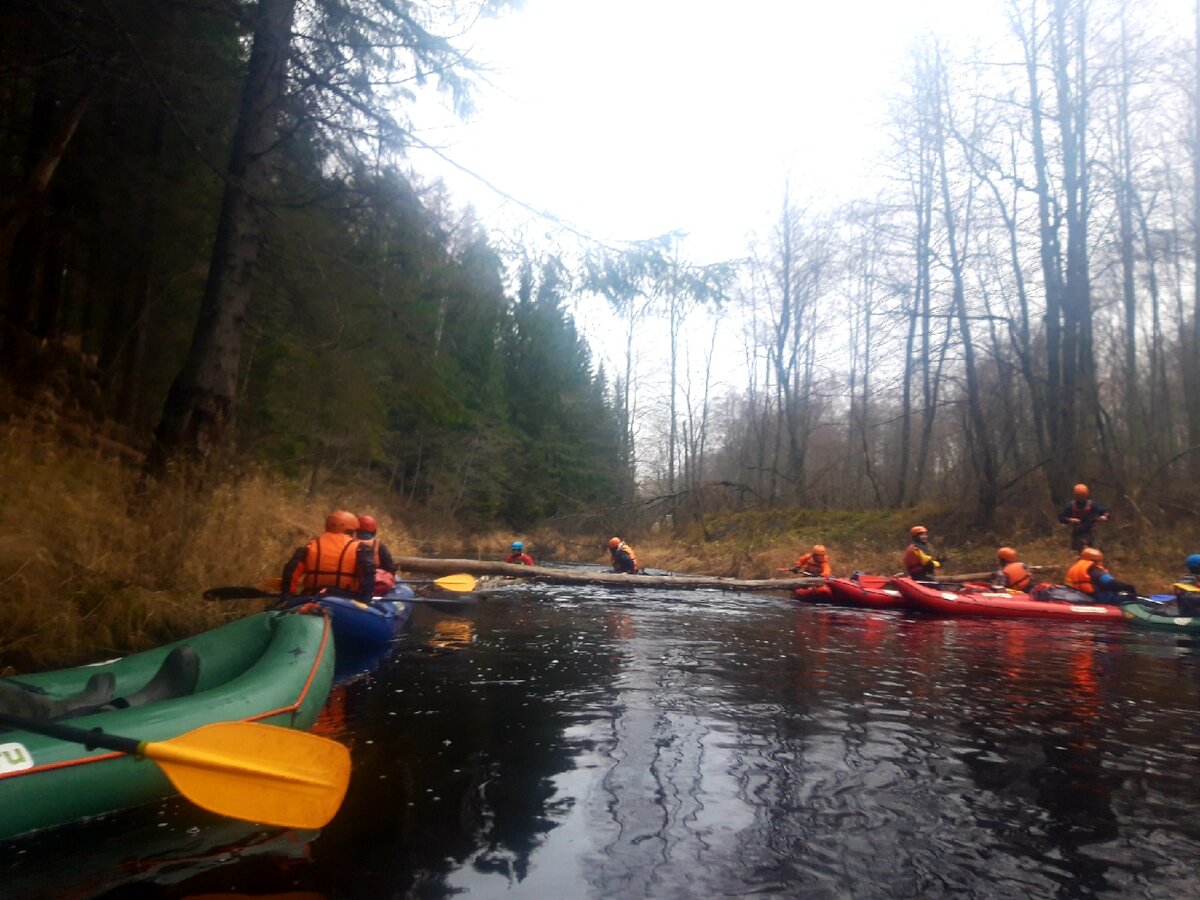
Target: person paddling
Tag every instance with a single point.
(1012, 574)
(815, 562)
(1187, 588)
(1088, 576)
(335, 560)
(919, 563)
(518, 556)
(386, 569)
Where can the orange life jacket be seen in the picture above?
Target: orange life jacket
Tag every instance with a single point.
(633, 556)
(331, 561)
(1016, 576)
(810, 565)
(1079, 576)
(374, 542)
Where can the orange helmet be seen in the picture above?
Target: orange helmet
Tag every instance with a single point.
(918, 529)
(614, 543)
(341, 522)
(1081, 491)
(1006, 554)
(818, 549)
(1092, 553)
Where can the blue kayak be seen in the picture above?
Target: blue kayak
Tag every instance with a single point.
(358, 625)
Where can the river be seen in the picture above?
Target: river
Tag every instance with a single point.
(596, 742)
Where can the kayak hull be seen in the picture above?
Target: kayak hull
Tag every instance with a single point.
(819, 594)
(271, 667)
(869, 591)
(357, 625)
(1001, 604)
(1144, 617)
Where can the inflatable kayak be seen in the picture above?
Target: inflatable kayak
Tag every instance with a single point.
(271, 667)
(818, 594)
(358, 625)
(1146, 617)
(872, 591)
(999, 604)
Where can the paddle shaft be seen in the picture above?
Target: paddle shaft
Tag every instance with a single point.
(91, 738)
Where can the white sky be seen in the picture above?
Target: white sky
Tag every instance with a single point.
(628, 119)
(631, 118)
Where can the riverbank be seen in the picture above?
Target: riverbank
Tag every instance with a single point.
(94, 564)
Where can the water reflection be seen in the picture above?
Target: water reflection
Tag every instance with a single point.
(565, 742)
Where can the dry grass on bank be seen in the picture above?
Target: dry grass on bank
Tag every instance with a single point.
(757, 544)
(92, 567)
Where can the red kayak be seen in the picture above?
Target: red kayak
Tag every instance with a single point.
(818, 594)
(934, 599)
(871, 591)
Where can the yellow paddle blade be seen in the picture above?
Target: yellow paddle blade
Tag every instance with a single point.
(260, 773)
(460, 583)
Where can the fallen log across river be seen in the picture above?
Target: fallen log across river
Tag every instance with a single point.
(550, 575)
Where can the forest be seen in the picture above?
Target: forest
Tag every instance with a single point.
(213, 252)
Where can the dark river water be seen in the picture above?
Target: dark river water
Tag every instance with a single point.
(551, 742)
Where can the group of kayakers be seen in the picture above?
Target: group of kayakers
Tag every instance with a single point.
(1087, 574)
(348, 557)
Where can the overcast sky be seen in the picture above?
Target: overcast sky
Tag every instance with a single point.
(632, 118)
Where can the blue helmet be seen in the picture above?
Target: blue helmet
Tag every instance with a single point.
(1193, 563)
(518, 547)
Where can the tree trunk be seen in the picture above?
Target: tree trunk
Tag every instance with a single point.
(201, 405)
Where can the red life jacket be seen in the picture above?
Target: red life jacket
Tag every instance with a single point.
(331, 561)
(520, 559)
(914, 564)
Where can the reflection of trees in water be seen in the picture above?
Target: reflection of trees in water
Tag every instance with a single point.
(140, 853)
(456, 747)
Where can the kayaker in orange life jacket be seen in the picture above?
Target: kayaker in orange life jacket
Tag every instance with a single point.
(518, 556)
(1012, 575)
(623, 557)
(367, 530)
(335, 560)
(919, 563)
(1088, 575)
(815, 562)
(1083, 516)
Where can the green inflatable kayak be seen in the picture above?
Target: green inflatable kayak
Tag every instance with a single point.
(1139, 614)
(272, 667)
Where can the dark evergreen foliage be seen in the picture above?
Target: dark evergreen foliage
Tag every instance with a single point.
(380, 344)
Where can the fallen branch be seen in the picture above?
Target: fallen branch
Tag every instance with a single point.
(548, 575)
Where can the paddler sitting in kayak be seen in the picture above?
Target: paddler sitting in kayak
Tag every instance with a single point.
(815, 562)
(335, 561)
(1187, 588)
(1089, 576)
(1012, 575)
(517, 555)
(919, 563)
